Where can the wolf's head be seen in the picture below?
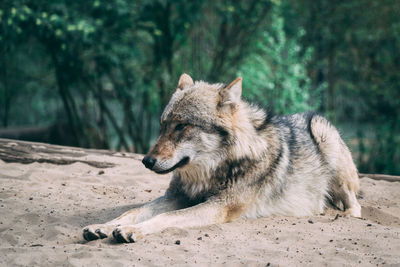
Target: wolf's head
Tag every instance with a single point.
(198, 125)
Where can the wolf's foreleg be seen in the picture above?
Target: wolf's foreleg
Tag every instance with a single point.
(153, 208)
(210, 212)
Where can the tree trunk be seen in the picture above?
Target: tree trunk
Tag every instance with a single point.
(29, 152)
(384, 177)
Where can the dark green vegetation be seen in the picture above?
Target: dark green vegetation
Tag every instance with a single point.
(98, 73)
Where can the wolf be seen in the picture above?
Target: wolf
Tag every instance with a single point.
(231, 159)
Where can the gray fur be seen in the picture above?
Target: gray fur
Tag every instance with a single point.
(232, 159)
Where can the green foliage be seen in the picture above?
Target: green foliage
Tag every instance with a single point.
(275, 73)
(355, 53)
(115, 63)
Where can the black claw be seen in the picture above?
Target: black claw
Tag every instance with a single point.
(131, 240)
(101, 234)
(89, 236)
(117, 236)
(115, 232)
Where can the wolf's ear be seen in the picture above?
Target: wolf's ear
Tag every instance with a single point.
(184, 81)
(231, 94)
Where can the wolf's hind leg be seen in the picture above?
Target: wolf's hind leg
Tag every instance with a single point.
(352, 207)
(345, 184)
(345, 192)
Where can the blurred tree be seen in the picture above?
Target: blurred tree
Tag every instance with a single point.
(275, 71)
(108, 56)
(356, 46)
(105, 68)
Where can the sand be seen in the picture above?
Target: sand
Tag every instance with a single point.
(43, 208)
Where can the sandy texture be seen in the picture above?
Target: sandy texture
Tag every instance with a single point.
(43, 208)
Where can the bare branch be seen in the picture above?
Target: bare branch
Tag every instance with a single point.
(384, 177)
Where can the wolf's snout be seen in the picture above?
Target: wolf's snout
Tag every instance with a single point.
(149, 162)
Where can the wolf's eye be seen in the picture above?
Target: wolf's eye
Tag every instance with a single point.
(179, 127)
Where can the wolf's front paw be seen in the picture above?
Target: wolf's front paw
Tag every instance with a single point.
(97, 231)
(127, 234)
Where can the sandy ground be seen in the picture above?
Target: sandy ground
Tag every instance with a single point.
(43, 208)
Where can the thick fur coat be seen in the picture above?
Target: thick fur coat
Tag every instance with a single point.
(231, 159)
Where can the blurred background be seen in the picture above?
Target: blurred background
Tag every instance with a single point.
(98, 73)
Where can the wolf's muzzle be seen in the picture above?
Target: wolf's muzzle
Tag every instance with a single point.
(149, 162)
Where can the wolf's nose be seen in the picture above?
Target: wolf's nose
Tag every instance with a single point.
(149, 162)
